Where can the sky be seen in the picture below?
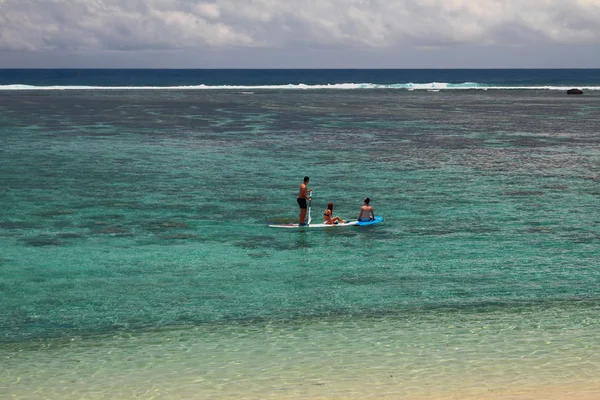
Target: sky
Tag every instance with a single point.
(300, 34)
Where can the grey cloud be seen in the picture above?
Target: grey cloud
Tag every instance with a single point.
(98, 25)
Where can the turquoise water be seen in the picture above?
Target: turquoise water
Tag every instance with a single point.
(134, 223)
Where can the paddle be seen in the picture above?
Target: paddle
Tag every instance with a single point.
(309, 203)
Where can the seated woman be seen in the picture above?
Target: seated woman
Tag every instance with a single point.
(327, 216)
(366, 212)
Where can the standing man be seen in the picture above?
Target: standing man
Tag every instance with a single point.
(302, 198)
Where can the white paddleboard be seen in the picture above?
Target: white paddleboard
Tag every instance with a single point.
(339, 225)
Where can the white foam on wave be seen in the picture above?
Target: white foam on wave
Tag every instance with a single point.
(301, 86)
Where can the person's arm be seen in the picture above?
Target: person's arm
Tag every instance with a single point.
(304, 193)
(372, 213)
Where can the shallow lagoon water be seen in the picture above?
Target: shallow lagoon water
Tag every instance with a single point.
(136, 259)
(531, 352)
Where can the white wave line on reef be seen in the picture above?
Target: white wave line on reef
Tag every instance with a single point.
(301, 86)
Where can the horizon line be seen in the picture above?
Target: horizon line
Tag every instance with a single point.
(297, 69)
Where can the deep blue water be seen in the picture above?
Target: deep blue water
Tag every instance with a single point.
(257, 77)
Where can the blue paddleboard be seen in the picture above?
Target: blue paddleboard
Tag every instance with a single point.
(328, 226)
(374, 221)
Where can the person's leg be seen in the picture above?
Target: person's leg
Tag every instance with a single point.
(302, 204)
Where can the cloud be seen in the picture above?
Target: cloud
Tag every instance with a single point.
(100, 25)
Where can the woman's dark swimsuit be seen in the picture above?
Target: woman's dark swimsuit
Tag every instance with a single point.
(328, 214)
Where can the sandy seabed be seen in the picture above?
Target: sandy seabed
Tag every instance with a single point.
(439, 357)
(582, 390)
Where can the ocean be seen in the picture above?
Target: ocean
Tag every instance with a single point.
(136, 259)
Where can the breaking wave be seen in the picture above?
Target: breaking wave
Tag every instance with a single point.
(435, 86)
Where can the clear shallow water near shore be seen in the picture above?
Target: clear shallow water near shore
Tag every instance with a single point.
(135, 244)
(532, 352)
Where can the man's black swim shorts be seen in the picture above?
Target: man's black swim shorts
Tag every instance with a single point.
(302, 202)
